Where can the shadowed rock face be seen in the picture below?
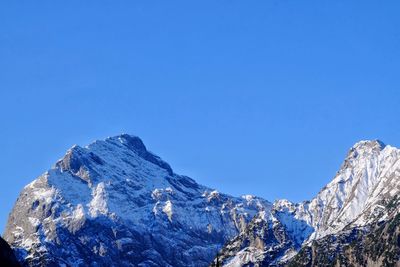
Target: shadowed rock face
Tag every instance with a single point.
(377, 244)
(262, 242)
(136, 144)
(7, 257)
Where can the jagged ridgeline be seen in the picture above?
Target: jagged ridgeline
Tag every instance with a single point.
(114, 203)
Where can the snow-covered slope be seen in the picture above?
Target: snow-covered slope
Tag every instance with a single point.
(375, 244)
(357, 197)
(270, 238)
(369, 175)
(114, 203)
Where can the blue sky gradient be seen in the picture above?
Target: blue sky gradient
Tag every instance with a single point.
(249, 97)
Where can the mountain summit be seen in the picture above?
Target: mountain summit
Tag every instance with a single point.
(114, 203)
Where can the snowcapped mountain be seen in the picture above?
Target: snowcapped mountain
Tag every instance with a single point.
(355, 201)
(114, 203)
(369, 175)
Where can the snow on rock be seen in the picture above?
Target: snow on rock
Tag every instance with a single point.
(358, 196)
(98, 205)
(114, 193)
(115, 202)
(167, 209)
(365, 178)
(213, 195)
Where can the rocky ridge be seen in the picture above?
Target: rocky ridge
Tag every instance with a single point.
(114, 203)
(353, 204)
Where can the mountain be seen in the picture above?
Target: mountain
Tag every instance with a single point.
(361, 200)
(376, 244)
(114, 203)
(266, 240)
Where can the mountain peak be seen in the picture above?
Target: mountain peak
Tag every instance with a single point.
(136, 144)
(375, 144)
(131, 141)
(365, 147)
(78, 157)
(113, 197)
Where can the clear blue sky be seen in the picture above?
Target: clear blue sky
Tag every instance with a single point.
(260, 97)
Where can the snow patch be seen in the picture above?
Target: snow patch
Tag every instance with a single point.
(167, 209)
(98, 205)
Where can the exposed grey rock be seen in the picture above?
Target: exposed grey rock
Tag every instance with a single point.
(377, 244)
(114, 203)
(361, 200)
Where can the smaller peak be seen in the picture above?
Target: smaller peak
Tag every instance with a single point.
(363, 148)
(248, 197)
(75, 149)
(283, 202)
(71, 160)
(284, 205)
(375, 144)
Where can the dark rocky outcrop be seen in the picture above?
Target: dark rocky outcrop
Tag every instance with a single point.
(377, 244)
(7, 257)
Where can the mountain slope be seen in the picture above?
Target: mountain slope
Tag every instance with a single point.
(354, 203)
(368, 176)
(265, 241)
(376, 244)
(114, 203)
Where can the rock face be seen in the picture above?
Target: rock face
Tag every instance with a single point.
(7, 257)
(266, 241)
(114, 203)
(354, 219)
(376, 244)
(377, 248)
